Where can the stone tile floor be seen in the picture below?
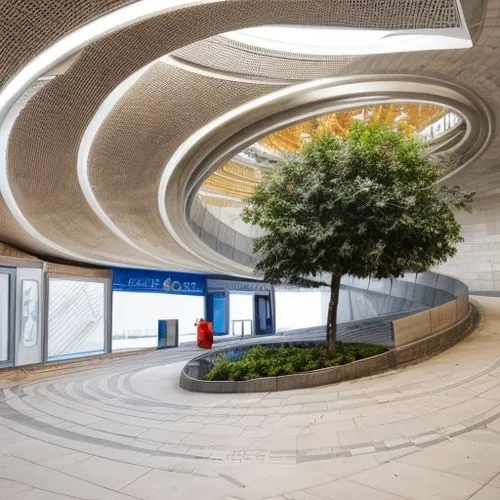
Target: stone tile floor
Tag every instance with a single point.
(122, 429)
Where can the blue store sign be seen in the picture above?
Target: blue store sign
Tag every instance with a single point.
(238, 286)
(138, 280)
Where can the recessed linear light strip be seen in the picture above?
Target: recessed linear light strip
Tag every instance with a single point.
(218, 74)
(327, 41)
(349, 42)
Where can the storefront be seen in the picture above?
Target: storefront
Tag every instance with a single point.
(240, 307)
(78, 319)
(142, 297)
(52, 312)
(21, 311)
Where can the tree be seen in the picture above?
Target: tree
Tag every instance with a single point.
(364, 204)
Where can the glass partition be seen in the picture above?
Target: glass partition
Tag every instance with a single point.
(29, 316)
(4, 316)
(76, 323)
(136, 315)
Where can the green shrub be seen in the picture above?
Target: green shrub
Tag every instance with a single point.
(272, 361)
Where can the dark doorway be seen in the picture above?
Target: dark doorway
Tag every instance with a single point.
(263, 315)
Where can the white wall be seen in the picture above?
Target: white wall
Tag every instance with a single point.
(240, 308)
(300, 308)
(231, 216)
(304, 308)
(140, 312)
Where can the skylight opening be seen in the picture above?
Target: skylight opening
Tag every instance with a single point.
(320, 41)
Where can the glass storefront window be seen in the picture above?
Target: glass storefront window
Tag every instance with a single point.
(136, 315)
(76, 318)
(4, 316)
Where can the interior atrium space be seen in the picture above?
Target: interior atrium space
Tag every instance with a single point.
(249, 249)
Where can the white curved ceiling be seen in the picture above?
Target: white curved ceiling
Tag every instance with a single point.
(337, 41)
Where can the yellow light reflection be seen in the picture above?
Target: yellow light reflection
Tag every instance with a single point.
(234, 181)
(408, 118)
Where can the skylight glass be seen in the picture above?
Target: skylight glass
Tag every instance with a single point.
(340, 41)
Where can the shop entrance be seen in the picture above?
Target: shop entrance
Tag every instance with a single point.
(240, 308)
(263, 315)
(216, 307)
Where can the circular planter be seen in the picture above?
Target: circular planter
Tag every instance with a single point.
(193, 371)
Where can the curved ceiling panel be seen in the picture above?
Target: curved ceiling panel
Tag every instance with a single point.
(139, 136)
(293, 105)
(29, 26)
(169, 105)
(473, 69)
(231, 57)
(45, 139)
(230, 133)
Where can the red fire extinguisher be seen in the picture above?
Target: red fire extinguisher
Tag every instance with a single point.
(204, 334)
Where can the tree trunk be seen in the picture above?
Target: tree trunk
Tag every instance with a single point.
(331, 328)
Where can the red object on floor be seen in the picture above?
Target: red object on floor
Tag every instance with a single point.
(205, 334)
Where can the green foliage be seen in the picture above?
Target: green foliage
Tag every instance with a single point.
(366, 204)
(264, 361)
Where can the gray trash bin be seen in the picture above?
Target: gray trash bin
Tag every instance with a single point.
(168, 333)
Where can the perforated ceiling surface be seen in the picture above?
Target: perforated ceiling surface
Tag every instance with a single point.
(28, 26)
(168, 104)
(138, 159)
(226, 55)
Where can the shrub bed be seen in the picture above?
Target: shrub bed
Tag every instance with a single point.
(272, 361)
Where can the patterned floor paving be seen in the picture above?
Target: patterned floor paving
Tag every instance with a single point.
(123, 429)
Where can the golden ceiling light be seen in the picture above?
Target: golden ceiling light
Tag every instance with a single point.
(244, 172)
(407, 118)
(221, 202)
(234, 181)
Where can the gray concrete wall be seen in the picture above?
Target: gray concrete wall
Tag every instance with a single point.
(477, 262)
(430, 322)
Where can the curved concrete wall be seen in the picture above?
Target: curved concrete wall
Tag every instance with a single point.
(441, 301)
(420, 290)
(219, 236)
(388, 296)
(409, 351)
(430, 322)
(476, 264)
(366, 298)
